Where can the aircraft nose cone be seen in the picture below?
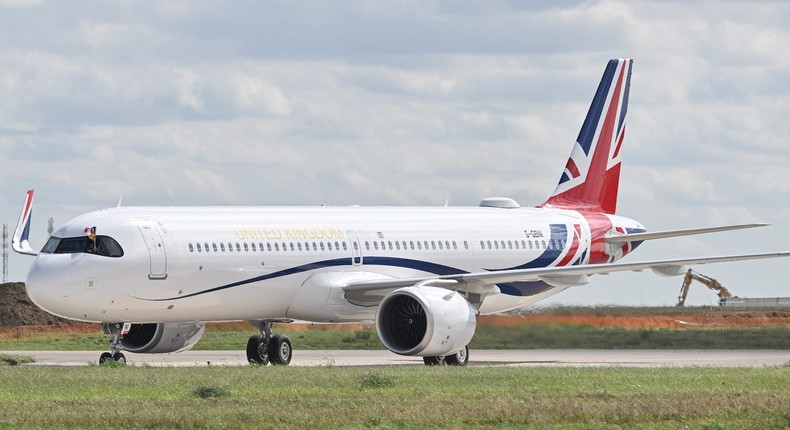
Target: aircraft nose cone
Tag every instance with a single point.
(46, 290)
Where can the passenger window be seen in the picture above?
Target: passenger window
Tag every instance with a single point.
(214, 245)
(315, 246)
(375, 245)
(329, 246)
(367, 245)
(411, 244)
(230, 247)
(466, 245)
(454, 245)
(489, 244)
(345, 247)
(440, 245)
(206, 246)
(252, 245)
(419, 245)
(291, 245)
(191, 248)
(337, 246)
(496, 245)
(299, 246)
(433, 244)
(509, 244)
(397, 245)
(238, 247)
(276, 246)
(543, 243)
(260, 246)
(516, 243)
(198, 247)
(269, 247)
(321, 244)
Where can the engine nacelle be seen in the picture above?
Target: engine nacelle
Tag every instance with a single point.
(160, 338)
(425, 321)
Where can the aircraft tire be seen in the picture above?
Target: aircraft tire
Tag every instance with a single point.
(280, 350)
(257, 352)
(119, 357)
(104, 357)
(433, 361)
(460, 358)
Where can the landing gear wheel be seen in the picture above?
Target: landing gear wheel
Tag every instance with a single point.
(118, 357)
(433, 361)
(257, 350)
(280, 350)
(460, 358)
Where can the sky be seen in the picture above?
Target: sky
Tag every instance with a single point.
(404, 103)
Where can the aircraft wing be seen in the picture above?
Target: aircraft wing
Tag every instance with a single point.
(563, 276)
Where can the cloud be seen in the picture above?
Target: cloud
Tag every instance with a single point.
(401, 103)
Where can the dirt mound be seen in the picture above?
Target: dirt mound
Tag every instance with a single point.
(16, 309)
(682, 319)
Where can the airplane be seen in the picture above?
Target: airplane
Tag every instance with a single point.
(153, 276)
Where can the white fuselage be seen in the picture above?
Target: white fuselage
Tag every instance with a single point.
(252, 263)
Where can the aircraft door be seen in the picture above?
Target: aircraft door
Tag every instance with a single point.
(156, 250)
(356, 248)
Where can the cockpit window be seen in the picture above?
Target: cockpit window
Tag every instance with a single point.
(104, 245)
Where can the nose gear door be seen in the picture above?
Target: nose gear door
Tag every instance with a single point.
(156, 249)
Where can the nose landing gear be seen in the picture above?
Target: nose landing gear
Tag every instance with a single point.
(116, 332)
(264, 348)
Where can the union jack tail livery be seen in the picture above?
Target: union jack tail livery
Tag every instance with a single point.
(592, 175)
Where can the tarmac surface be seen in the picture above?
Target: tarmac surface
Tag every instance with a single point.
(535, 358)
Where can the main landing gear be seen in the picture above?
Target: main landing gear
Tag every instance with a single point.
(116, 331)
(460, 358)
(264, 348)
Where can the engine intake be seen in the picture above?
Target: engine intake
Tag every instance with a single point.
(425, 321)
(160, 338)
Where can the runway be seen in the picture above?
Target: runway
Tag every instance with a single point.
(534, 358)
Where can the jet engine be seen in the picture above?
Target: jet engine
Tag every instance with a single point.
(425, 321)
(159, 338)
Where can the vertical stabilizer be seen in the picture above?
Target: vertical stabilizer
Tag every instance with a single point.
(591, 176)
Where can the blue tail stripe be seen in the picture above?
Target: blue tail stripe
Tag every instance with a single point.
(587, 132)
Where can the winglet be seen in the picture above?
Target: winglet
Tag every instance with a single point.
(19, 242)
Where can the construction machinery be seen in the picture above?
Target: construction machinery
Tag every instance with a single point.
(709, 282)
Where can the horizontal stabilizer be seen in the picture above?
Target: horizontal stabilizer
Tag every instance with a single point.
(637, 237)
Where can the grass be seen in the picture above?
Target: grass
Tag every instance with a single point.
(393, 397)
(526, 336)
(14, 360)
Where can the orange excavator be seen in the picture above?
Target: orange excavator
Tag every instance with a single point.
(707, 281)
